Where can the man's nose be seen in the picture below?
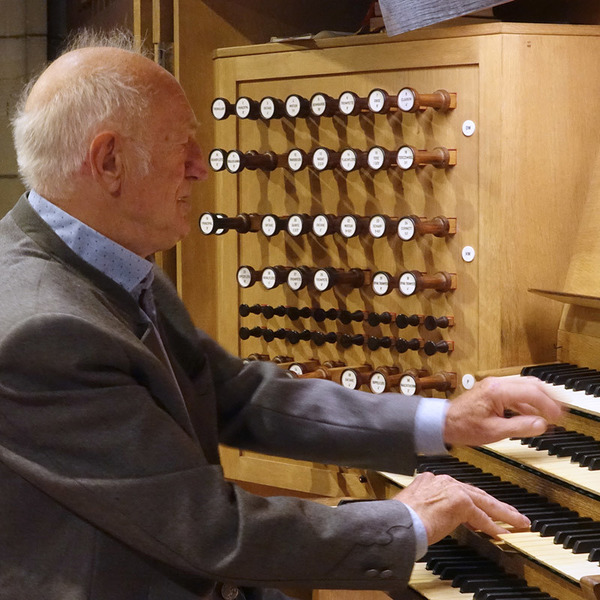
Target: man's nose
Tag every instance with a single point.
(195, 166)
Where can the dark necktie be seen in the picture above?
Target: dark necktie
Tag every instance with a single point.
(146, 302)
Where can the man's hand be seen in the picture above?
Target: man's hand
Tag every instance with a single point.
(477, 416)
(443, 504)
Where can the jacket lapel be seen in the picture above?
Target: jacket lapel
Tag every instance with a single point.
(115, 298)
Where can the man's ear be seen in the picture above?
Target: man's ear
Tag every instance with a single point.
(106, 161)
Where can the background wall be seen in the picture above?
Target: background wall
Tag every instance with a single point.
(68, 15)
(23, 34)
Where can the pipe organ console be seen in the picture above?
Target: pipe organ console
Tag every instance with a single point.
(405, 193)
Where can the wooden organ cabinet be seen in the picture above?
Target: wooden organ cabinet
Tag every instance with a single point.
(398, 231)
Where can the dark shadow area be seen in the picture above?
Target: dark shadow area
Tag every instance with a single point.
(550, 11)
(284, 18)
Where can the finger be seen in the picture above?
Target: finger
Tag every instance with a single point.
(530, 395)
(519, 426)
(480, 521)
(525, 408)
(497, 510)
(527, 393)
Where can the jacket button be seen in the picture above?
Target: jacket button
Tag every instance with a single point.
(229, 592)
(372, 573)
(386, 574)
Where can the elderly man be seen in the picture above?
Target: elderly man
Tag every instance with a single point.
(112, 405)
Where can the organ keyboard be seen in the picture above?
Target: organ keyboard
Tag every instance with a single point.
(572, 398)
(564, 538)
(563, 542)
(553, 478)
(450, 571)
(545, 551)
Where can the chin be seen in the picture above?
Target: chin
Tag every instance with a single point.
(184, 230)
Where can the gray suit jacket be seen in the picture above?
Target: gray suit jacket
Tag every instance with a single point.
(110, 483)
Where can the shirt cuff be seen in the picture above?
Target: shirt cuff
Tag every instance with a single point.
(421, 542)
(429, 426)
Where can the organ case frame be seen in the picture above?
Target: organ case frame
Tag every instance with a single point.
(516, 191)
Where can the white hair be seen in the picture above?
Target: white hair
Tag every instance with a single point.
(52, 140)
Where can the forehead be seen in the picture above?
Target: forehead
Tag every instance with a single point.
(172, 111)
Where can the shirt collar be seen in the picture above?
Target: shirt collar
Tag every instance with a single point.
(124, 267)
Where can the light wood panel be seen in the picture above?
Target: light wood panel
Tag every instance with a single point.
(429, 193)
(513, 190)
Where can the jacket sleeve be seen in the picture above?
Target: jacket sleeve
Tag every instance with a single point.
(262, 409)
(78, 421)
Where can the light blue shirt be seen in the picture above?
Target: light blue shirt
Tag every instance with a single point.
(124, 267)
(135, 274)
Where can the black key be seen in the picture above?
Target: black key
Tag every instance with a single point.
(545, 443)
(582, 455)
(475, 583)
(570, 382)
(455, 473)
(450, 572)
(591, 388)
(570, 539)
(594, 555)
(424, 461)
(576, 439)
(594, 464)
(501, 488)
(461, 553)
(584, 383)
(525, 503)
(473, 579)
(440, 465)
(525, 498)
(462, 556)
(566, 374)
(550, 435)
(586, 447)
(547, 509)
(477, 478)
(445, 547)
(434, 552)
(451, 469)
(568, 449)
(519, 595)
(541, 513)
(595, 549)
(552, 528)
(551, 429)
(539, 370)
(524, 594)
(560, 536)
(527, 593)
(539, 522)
(585, 546)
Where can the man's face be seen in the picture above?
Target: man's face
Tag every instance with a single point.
(159, 200)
